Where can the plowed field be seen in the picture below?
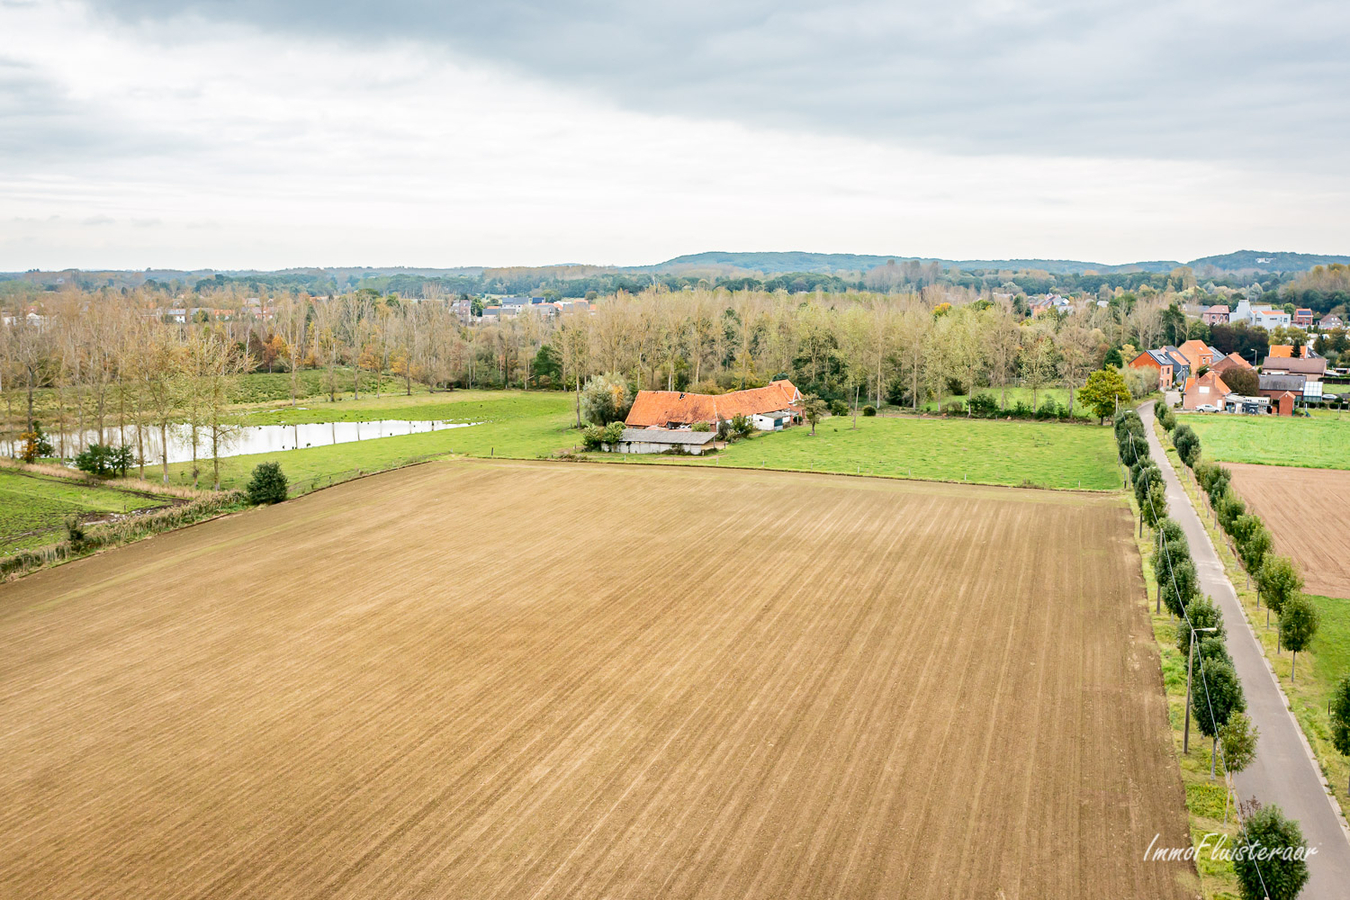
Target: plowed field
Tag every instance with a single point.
(1308, 514)
(478, 679)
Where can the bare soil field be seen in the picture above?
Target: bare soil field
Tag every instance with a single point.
(491, 679)
(1308, 513)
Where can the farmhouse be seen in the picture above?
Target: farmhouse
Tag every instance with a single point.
(770, 407)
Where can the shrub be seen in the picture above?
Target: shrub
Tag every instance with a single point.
(104, 461)
(592, 437)
(700, 426)
(268, 484)
(742, 426)
(838, 408)
(612, 433)
(36, 445)
(869, 410)
(983, 405)
(75, 533)
(1049, 409)
(1022, 410)
(954, 408)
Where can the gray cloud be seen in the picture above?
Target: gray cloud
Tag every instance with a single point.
(43, 122)
(1150, 78)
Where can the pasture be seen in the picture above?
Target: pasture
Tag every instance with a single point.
(529, 425)
(1308, 514)
(34, 507)
(1319, 442)
(984, 451)
(487, 678)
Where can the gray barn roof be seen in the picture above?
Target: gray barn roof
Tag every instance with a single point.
(1283, 383)
(667, 436)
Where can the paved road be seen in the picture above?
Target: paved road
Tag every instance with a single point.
(1282, 773)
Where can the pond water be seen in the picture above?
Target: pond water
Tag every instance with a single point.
(270, 438)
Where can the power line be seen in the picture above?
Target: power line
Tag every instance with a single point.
(1204, 682)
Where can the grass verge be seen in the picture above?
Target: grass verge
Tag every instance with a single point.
(1205, 797)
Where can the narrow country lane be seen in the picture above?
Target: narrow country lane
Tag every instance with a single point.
(1283, 772)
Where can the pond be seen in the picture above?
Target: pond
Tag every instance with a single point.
(249, 439)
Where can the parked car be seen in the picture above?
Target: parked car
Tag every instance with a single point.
(1206, 407)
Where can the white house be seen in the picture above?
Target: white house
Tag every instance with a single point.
(1262, 315)
(772, 421)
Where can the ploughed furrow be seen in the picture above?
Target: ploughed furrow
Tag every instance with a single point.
(1289, 500)
(481, 678)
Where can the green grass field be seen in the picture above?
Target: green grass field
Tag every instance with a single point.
(1321, 442)
(529, 425)
(1044, 454)
(513, 424)
(33, 508)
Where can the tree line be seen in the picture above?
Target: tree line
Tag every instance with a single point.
(108, 362)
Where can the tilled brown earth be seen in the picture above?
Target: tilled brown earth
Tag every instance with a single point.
(477, 679)
(1308, 514)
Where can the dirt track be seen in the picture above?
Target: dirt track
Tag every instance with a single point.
(1308, 514)
(503, 679)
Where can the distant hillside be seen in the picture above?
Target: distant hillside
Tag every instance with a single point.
(777, 263)
(1265, 261)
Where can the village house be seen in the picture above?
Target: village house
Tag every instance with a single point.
(1172, 367)
(1263, 315)
(1328, 322)
(1284, 351)
(1207, 390)
(1312, 368)
(1215, 315)
(1198, 354)
(1303, 318)
(1229, 362)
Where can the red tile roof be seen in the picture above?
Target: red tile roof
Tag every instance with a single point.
(661, 408)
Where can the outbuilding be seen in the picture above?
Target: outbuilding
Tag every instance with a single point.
(661, 440)
(772, 421)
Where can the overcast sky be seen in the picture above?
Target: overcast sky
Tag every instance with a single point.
(267, 134)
